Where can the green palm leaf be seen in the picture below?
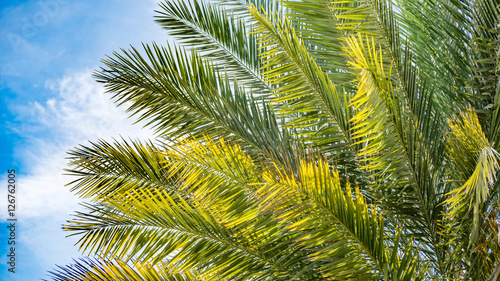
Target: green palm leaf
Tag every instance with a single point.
(105, 168)
(181, 95)
(204, 221)
(214, 31)
(395, 152)
(306, 97)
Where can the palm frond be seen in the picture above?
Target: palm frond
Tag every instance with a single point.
(182, 95)
(305, 95)
(395, 152)
(459, 49)
(208, 222)
(313, 22)
(230, 192)
(474, 166)
(159, 227)
(346, 237)
(488, 251)
(214, 32)
(240, 7)
(94, 270)
(476, 163)
(222, 179)
(217, 177)
(104, 168)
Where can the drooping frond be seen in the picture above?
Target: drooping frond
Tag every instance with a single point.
(95, 270)
(181, 95)
(475, 164)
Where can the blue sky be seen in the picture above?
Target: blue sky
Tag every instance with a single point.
(50, 104)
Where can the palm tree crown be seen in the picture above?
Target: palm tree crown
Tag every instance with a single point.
(300, 140)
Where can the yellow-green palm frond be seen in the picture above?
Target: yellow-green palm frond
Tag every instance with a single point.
(228, 190)
(305, 97)
(380, 21)
(154, 227)
(105, 168)
(475, 163)
(221, 178)
(374, 103)
(220, 156)
(95, 270)
(343, 234)
(398, 153)
(373, 18)
(474, 166)
(217, 177)
(207, 220)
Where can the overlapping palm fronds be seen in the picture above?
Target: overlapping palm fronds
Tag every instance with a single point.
(300, 140)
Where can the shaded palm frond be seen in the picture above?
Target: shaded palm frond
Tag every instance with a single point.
(487, 253)
(459, 52)
(313, 22)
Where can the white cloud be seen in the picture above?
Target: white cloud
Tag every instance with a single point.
(83, 112)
